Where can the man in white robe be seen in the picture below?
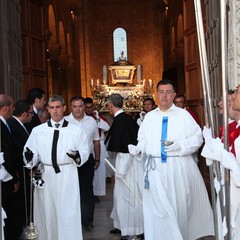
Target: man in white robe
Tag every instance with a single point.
(57, 213)
(175, 200)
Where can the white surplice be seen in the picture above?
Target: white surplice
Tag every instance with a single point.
(176, 205)
(99, 180)
(127, 203)
(57, 213)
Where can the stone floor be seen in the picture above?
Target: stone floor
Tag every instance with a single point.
(103, 223)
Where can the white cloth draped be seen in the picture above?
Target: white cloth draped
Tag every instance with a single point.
(127, 210)
(99, 180)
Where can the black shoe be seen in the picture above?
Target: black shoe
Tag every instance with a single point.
(129, 237)
(96, 199)
(140, 236)
(88, 226)
(115, 231)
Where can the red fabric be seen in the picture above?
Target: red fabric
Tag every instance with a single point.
(233, 133)
(193, 115)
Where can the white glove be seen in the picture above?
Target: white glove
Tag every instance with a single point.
(207, 133)
(133, 150)
(228, 160)
(213, 149)
(173, 147)
(142, 115)
(96, 114)
(119, 176)
(217, 185)
(1, 158)
(224, 229)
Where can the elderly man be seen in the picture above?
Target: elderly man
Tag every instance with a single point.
(175, 200)
(127, 206)
(60, 147)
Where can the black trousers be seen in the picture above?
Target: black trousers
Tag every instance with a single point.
(86, 173)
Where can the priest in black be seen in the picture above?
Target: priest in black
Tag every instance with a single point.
(127, 209)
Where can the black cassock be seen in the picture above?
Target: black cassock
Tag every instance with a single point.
(122, 132)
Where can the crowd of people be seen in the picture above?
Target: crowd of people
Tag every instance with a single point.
(158, 193)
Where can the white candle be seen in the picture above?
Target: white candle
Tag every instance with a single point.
(104, 74)
(144, 82)
(91, 83)
(139, 73)
(97, 82)
(150, 82)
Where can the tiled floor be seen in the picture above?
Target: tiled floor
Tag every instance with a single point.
(103, 223)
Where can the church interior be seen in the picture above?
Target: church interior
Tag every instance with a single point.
(63, 46)
(75, 47)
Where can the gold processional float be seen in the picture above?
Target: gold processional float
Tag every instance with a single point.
(122, 74)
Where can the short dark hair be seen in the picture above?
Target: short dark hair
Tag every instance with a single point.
(116, 99)
(181, 96)
(21, 107)
(76, 98)
(165, 82)
(88, 100)
(149, 99)
(35, 93)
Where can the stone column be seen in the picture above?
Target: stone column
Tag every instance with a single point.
(234, 44)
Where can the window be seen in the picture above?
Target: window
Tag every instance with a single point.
(120, 44)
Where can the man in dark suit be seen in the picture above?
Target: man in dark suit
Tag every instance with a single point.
(22, 114)
(13, 228)
(36, 97)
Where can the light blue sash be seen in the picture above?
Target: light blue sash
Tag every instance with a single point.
(164, 137)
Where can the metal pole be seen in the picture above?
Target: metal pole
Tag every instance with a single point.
(207, 99)
(223, 23)
(1, 232)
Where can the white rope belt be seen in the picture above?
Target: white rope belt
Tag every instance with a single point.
(59, 164)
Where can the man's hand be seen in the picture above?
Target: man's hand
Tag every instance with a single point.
(28, 155)
(96, 164)
(142, 115)
(75, 156)
(96, 114)
(119, 176)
